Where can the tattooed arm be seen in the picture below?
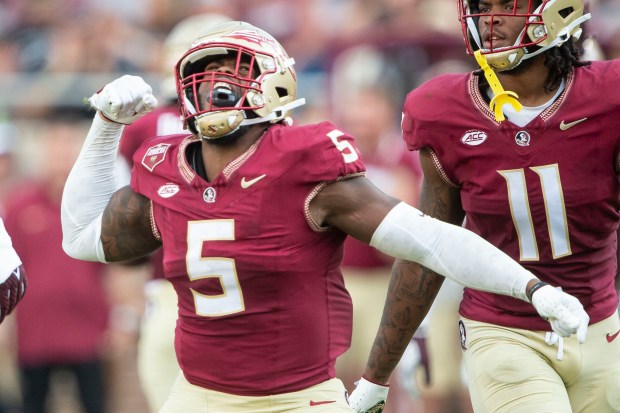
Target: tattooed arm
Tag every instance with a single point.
(126, 231)
(413, 288)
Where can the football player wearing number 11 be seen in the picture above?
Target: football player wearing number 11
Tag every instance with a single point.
(252, 213)
(533, 169)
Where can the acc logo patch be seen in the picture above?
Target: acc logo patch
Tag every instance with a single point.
(168, 190)
(474, 138)
(155, 155)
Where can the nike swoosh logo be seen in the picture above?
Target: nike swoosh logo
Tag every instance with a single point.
(566, 126)
(313, 403)
(246, 184)
(612, 337)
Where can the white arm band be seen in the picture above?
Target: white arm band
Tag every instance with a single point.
(449, 250)
(9, 260)
(88, 189)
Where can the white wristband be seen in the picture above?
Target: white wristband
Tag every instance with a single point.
(451, 251)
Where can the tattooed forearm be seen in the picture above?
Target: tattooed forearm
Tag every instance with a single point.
(126, 228)
(412, 290)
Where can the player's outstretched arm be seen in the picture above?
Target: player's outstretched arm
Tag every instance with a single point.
(123, 232)
(360, 209)
(12, 275)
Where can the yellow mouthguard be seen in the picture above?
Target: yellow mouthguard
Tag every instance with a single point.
(501, 96)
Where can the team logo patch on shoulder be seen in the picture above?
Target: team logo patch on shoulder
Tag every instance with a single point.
(168, 190)
(155, 155)
(474, 138)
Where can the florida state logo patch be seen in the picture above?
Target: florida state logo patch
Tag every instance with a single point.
(155, 155)
(209, 195)
(522, 138)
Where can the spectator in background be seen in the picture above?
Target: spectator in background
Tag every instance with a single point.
(62, 326)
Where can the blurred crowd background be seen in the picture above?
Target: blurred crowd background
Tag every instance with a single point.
(55, 53)
(356, 60)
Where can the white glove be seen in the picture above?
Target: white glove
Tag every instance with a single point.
(124, 100)
(563, 311)
(368, 397)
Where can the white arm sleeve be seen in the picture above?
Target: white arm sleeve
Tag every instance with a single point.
(449, 250)
(88, 189)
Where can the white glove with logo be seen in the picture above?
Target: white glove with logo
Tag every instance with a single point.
(563, 311)
(124, 100)
(368, 397)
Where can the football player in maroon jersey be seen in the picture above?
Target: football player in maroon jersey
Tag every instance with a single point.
(12, 275)
(533, 169)
(252, 213)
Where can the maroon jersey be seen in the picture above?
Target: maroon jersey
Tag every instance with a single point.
(546, 194)
(262, 304)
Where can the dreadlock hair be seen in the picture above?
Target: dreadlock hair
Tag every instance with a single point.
(560, 61)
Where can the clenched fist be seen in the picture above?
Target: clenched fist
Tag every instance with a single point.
(124, 100)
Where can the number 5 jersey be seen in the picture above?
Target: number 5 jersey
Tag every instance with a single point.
(262, 304)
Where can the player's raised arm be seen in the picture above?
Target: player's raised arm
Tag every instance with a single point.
(88, 232)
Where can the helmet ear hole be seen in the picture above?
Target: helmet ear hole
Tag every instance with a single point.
(282, 92)
(566, 12)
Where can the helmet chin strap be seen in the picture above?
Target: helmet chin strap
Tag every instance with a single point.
(214, 125)
(274, 114)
